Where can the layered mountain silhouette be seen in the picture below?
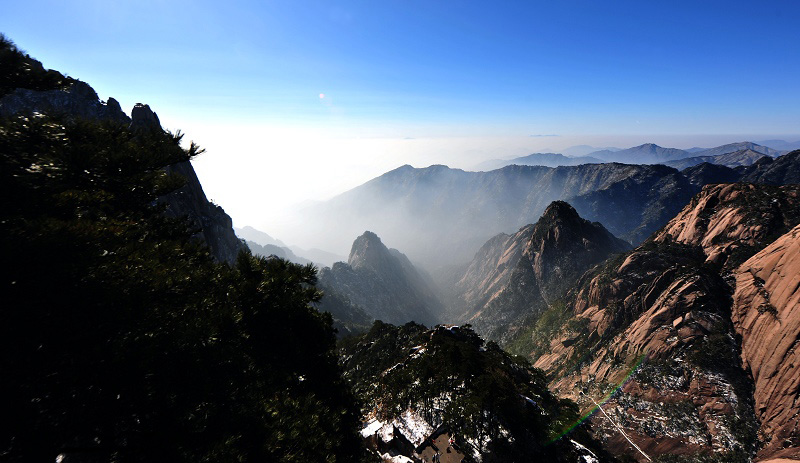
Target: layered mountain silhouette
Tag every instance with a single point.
(384, 283)
(744, 157)
(648, 153)
(277, 251)
(671, 311)
(539, 159)
(439, 216)
(516, 277)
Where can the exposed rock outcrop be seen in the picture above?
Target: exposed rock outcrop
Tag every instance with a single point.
(732, 221)
(766, 313)
(514, 278)
(668, 304)
(79, 100)
(384, 283)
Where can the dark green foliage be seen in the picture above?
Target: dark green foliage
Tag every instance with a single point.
(534, 340)
(18, 70)
(451, 378)
(122, 339)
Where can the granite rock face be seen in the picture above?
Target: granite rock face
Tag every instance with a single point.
(731, 221)
(78, 100)
(661, 325)
(766, 314)
(513, 278)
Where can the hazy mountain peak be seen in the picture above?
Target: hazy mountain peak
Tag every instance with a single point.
(368, 251)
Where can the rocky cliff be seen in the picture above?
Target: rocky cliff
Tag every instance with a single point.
(75, 99)
(653, 331)
(384, 283)
(766, 314)
(513, 278)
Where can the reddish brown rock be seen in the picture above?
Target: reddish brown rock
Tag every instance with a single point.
(735, 217)
(766, 312)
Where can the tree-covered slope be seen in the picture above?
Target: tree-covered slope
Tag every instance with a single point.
(447, 378)
(123, 339)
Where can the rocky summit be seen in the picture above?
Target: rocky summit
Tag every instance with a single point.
(514, 278)
(384, 283)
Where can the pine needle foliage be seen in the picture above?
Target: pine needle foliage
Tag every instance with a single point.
(121, 339)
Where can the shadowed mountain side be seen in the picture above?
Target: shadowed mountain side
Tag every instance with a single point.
(779, 171)
(515, 278)
(383, 283)
(77, 100)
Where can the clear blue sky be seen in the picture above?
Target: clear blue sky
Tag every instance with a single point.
(467, 80)
(564, 66)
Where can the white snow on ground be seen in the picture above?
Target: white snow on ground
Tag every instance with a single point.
(414, 427)
(590, 458)
(371, 428)
(396, 458)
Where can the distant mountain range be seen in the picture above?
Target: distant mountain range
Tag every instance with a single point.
(647, 153)
(743, 157)
(440, 216)
(539, 159)
(249, 233)
(263, 244)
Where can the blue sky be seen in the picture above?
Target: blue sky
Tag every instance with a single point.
(564, 67)
(249, 75)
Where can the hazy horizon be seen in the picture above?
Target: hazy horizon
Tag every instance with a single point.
(298, 101)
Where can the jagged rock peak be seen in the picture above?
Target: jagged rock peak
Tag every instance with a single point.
(369, 251)
(560, 210)
(144, 117)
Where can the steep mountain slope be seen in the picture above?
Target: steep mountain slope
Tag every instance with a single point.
(77, 100)
(765, 314)
(122, 338)
(384, 283)
(420, 383)
(665, 308)
(517, 277)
